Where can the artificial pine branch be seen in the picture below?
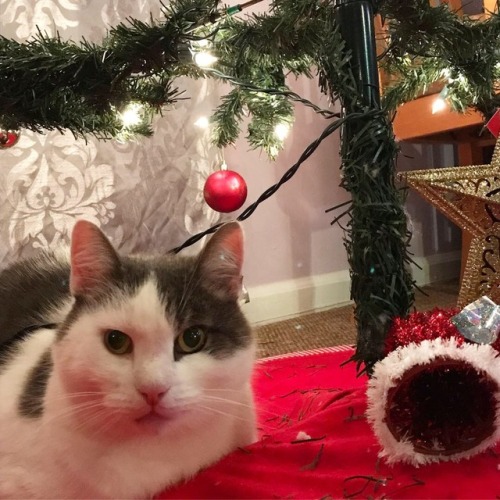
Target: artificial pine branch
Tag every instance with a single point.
(434, 39)
(227, 118)
(49, 83)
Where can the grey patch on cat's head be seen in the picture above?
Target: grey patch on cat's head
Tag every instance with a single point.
(124, 282)
(32, 396)
(204, 292)
(198, 291)
(190, 301)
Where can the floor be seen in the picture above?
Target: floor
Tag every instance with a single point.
(336, 326)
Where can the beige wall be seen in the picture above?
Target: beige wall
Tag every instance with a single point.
(290, 236)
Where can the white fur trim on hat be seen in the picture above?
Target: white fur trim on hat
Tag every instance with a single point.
(391, 370)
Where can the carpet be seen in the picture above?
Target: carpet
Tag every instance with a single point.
(336, 326)
(315, 443)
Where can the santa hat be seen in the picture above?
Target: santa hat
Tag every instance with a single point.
(436, 395)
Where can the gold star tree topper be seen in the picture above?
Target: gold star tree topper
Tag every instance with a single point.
(470, 197)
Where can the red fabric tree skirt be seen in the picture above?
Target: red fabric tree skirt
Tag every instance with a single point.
(310, 393)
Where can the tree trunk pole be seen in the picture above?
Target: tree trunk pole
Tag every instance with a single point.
(355, 19)
(376, 235)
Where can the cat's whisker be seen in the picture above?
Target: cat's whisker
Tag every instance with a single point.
(243, 405)
(207, 397)
(187, 289)
(230, 392)
(96, 417)
(211, 409)
(75, 395)
(255, 397)
(221, 389)
(72, 410)
(105, 426)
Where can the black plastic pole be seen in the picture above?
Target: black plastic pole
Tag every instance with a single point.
(376, 235)
(355, 19)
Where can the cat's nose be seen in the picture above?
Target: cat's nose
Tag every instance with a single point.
(152, 395)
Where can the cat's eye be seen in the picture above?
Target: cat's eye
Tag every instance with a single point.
(118, 342)
(191, 340)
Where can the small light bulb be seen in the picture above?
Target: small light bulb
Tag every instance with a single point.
(438, 105)
(204, 59)
(202, 122)
(131, 115)
(281, 131)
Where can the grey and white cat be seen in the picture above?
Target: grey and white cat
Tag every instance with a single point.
(144, 379)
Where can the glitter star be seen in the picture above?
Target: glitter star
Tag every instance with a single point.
(470, 197)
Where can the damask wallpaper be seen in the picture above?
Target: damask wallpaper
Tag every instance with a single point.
(146, 195)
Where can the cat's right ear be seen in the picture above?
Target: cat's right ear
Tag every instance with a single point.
(93, 259)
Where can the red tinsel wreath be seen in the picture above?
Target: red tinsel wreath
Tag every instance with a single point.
(426, 325)
(435, 395)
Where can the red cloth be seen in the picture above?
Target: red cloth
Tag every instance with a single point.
(310, 392)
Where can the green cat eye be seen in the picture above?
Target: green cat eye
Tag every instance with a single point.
(118, 342)
(191, 340)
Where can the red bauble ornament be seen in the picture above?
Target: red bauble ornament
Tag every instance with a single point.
(8, 138)
(225, 191)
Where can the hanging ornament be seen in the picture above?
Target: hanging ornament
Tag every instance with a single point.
(225, 191)
(8, 138)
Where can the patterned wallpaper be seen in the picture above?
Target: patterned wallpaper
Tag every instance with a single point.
(146, 195)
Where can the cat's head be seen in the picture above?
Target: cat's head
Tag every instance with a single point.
(152, 343)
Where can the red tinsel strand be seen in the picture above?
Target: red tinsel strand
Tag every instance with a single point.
(427, 325)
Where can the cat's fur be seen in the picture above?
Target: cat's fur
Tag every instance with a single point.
(70, 410)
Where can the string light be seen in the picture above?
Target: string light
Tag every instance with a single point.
(131, 115)
(202, 122)
(439, 103)
(204, 59)
(281, 131)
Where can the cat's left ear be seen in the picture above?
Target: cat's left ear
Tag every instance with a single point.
(93, 260)
(221, 260)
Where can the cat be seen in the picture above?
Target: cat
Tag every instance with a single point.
(121, 376)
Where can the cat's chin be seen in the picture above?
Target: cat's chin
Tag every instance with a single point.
(154, 422)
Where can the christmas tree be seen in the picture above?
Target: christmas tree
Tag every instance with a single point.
(88, 88)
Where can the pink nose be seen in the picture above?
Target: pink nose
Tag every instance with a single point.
(152, 396)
